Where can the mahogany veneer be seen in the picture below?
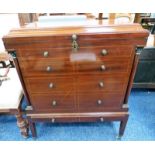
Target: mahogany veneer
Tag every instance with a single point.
(77, 74)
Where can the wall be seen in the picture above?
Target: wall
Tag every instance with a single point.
(7, 22)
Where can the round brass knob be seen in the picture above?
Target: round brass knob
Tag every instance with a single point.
(74, 36)
(53, 120)
(99, 102)
(101, 119)
(51, 85)
(101, 84)
(103, 67)
(45, 53)
(54, 103)
(48, 68)
(104, 52)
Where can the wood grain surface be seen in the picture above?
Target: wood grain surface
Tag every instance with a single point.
(90, 82)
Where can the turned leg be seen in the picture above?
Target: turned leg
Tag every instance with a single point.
(23, 125)
(32, 128)
(122, 126)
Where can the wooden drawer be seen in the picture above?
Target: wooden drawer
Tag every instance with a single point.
(50, 84)
(44, 52)
(102, 83)
(44, 67)
(54, 102)
(116, 65)
(76, 117)
(61, 53)
(89, 38)
(98, 53)
(57, 120)
(100, 118)
(100, 101)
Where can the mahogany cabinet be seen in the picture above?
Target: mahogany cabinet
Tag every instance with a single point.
(77, 74)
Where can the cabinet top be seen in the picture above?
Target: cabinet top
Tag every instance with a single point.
(135, 29)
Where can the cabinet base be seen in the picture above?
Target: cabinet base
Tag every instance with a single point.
(78, 117)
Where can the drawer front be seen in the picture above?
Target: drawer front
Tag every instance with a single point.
(57, 120)
(54, 102)
(43, 52)
(83, 83)
(90, 54)
(61, 53)
(50, 84)
(100, 101)
(42, 67)
(83, 40)
(102, 83)
(50, 67)
(78, 119)
(101, 118)
(117, 65)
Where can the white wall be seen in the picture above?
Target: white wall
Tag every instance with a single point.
(7, 22)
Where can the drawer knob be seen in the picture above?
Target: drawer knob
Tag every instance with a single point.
(74, 43)
(104, 52)
(101, 84)
(99, 102)
(51, 85)
(54, 103)
(101, 119)
(48, 69)
(53, 120)
(74, 36)
(103, 67)
(45, 54)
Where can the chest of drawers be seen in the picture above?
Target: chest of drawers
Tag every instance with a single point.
(77, 74)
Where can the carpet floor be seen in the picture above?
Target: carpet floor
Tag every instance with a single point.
(140, 126)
